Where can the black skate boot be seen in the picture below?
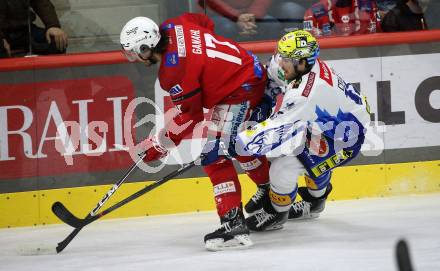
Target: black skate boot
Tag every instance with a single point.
(309, 206)
(256, 202)
(267, 218)
(233, 233)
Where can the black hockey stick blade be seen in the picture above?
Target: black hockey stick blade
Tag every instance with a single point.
(63, 244)
(66, 216)
(403, 257)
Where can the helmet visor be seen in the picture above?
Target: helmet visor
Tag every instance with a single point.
(131, 55)
(143, 53)
(289, 60)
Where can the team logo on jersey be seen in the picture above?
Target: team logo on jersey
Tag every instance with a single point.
(171, 59)
(270, 139)
(181, 48)
(176, 90)
(318, 146)
(345, 19)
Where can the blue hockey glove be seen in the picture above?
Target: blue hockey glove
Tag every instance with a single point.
(263, 110)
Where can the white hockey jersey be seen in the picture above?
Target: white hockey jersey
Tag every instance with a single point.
(321, 100)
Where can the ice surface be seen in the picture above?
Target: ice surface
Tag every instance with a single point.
(349, 235)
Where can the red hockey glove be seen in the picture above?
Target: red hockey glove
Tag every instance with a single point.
(153, 150)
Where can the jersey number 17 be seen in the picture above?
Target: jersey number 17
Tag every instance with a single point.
(211, 45)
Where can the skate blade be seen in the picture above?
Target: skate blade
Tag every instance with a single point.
(310, 216)
(274, 228)
(238, 242)
(269, 228)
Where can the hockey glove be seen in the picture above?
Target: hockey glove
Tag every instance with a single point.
(212, 151)
(263, 110)
(153, 150)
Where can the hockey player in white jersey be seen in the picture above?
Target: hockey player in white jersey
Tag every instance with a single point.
(320, 125)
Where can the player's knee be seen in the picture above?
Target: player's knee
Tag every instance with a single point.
(284, 173)
(222, 168)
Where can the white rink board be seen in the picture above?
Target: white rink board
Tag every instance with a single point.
(405, 74)
(350, 235)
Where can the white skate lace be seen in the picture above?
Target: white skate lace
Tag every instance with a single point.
(263, 217)
(302, 206)
(258, 195)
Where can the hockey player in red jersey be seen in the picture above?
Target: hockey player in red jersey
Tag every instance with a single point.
(200, 69)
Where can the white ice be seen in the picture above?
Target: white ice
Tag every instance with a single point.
(349, 235)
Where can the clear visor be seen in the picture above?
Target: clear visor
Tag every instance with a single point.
(288, 60)
(143, 53)
(130, 55)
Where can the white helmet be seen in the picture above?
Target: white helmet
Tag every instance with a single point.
(138, 35)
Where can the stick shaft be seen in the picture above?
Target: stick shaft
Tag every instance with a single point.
(89, 219)
(108, 195)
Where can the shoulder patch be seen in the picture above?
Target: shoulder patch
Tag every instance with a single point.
(167, 26)
(325, 73)
(171, 59)
(309, 84)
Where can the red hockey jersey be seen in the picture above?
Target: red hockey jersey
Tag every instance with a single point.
(200, 69)
(342, 17)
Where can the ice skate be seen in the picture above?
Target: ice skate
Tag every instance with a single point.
(256, 202)
(265, 221)
(309, 207)
(267, 218)
(233, 233)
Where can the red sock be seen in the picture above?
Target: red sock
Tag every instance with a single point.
(257, 168)
(227, 190)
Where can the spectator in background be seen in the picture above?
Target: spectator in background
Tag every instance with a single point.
(407, 15)
(342, 17)
(384, 6)
(253, 19)
(19, 35)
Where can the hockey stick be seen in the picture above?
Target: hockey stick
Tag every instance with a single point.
(67, 217)
(89, 219)
(402, 256)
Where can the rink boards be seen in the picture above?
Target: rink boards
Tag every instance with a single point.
(402, 84)
(195, 194)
